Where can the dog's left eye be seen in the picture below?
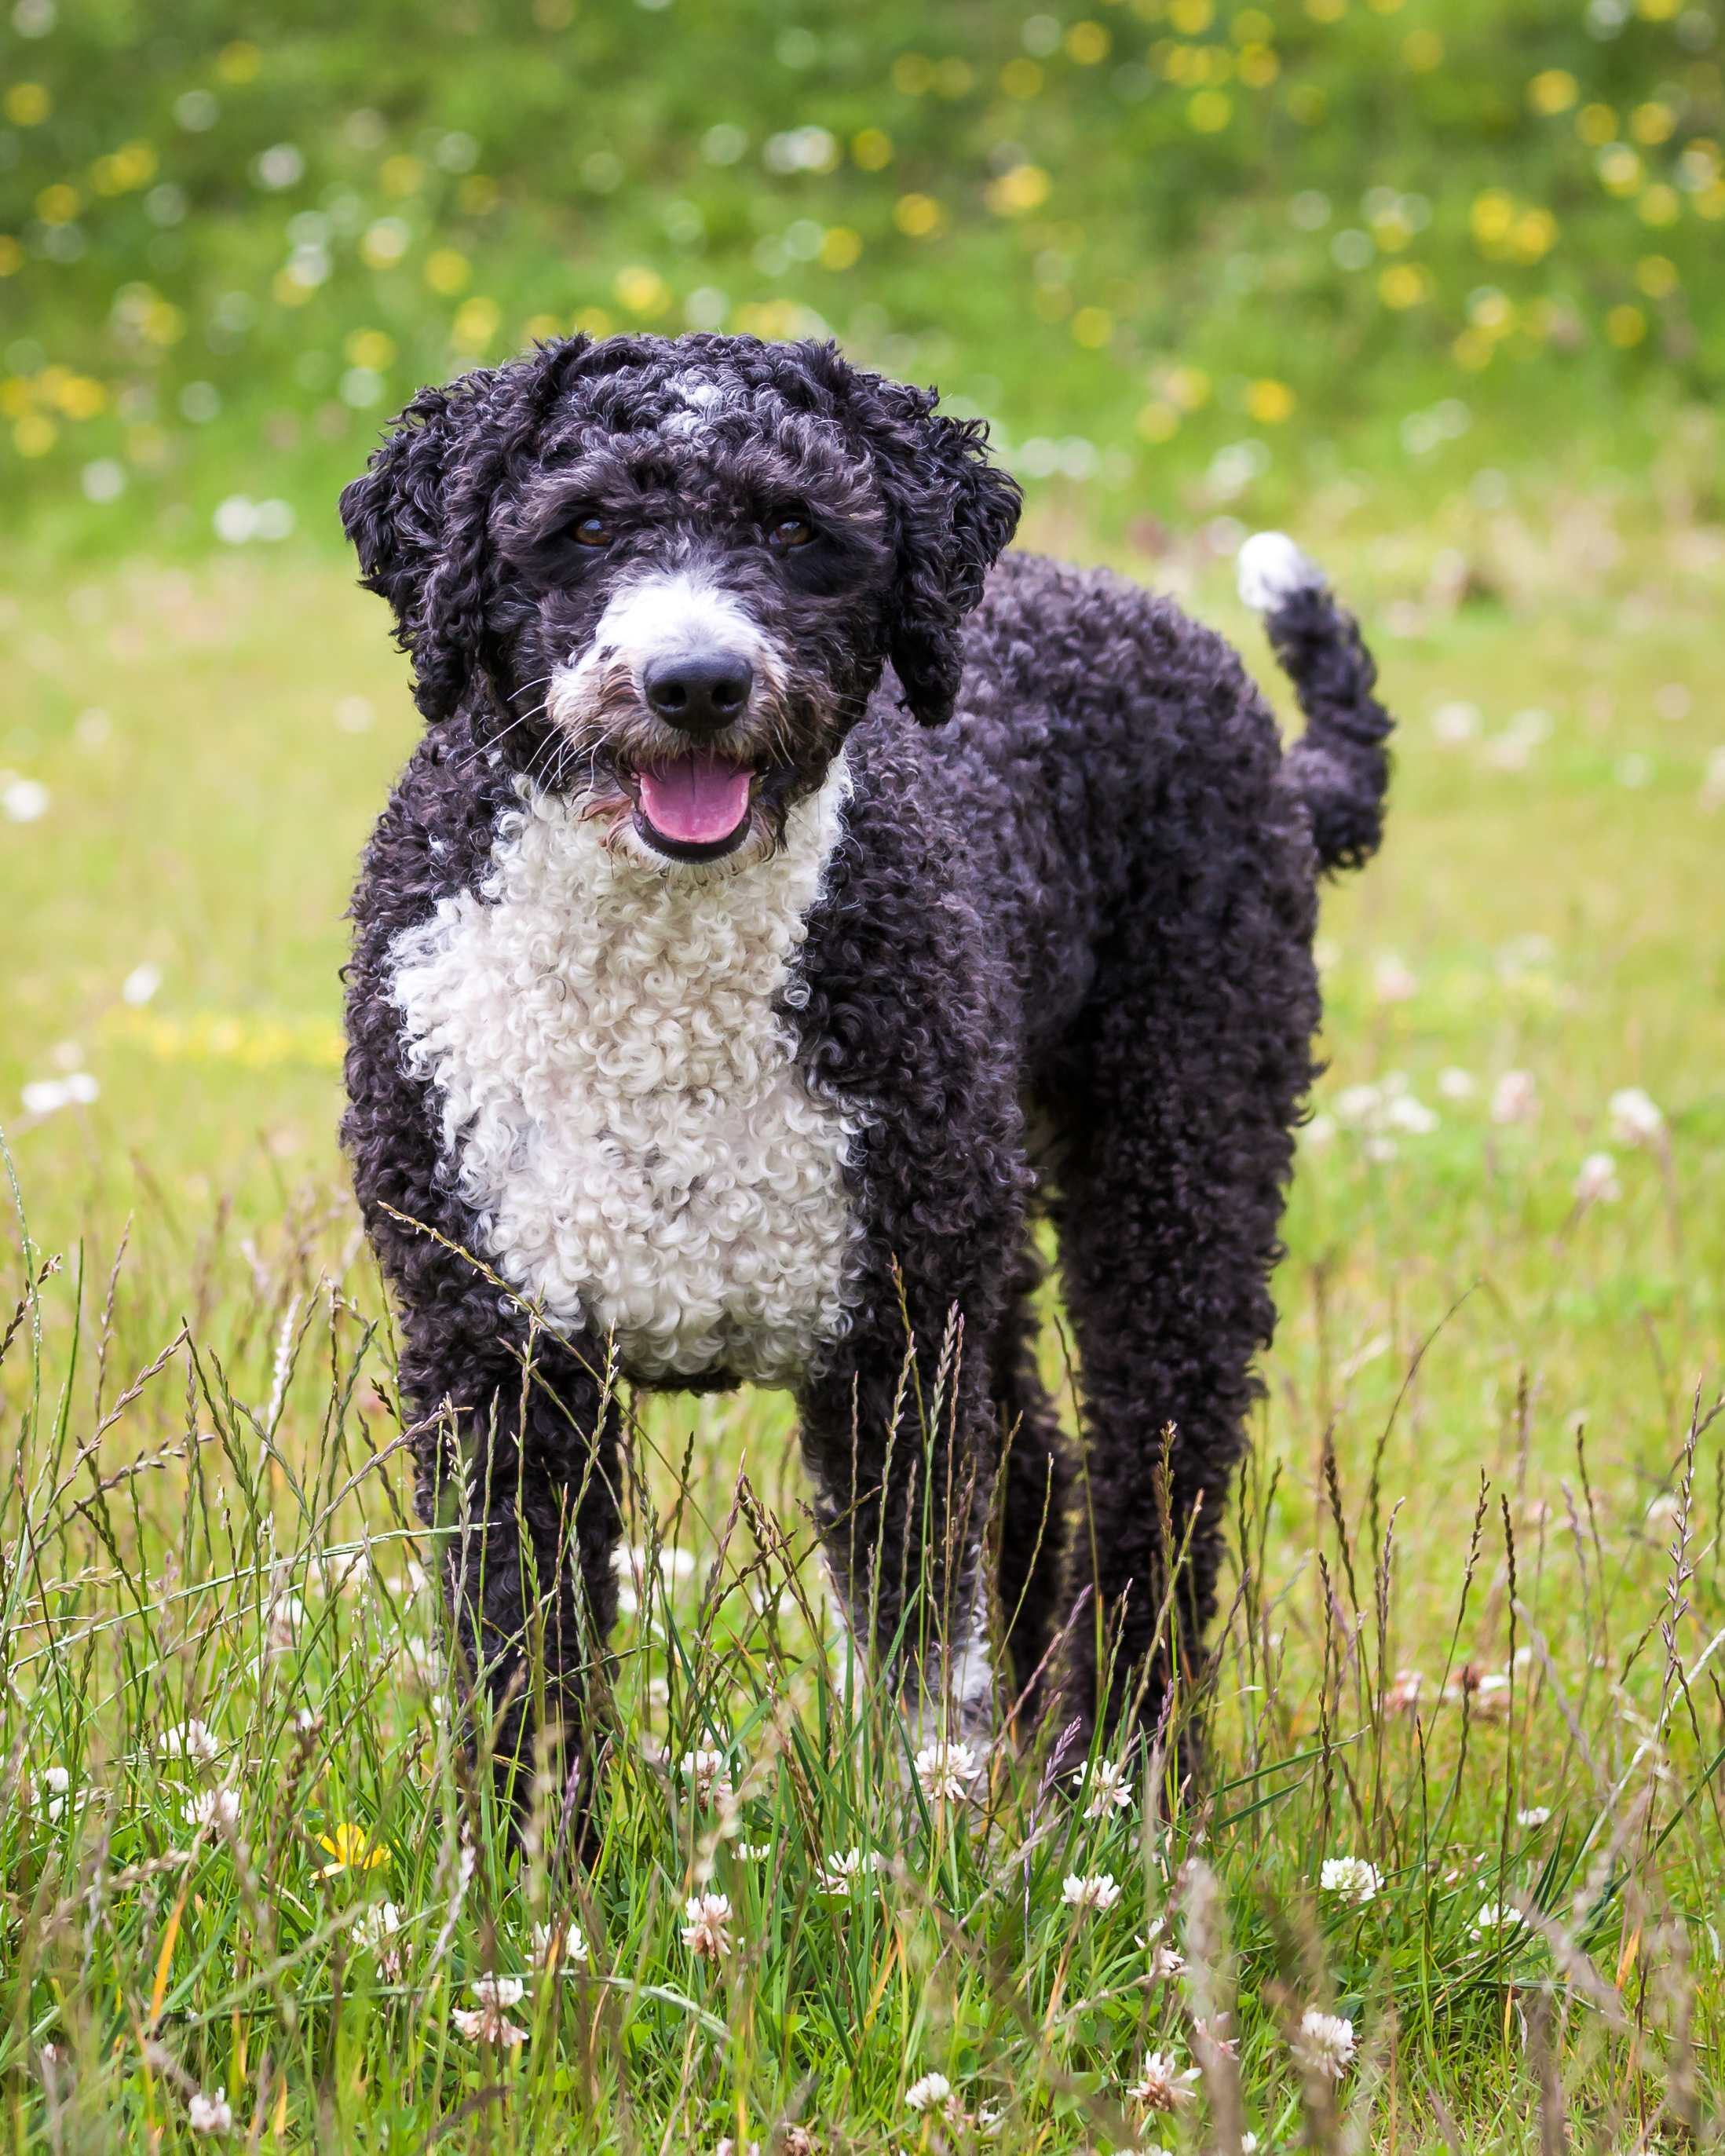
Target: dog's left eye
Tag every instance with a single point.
(790, 532)
(592, 531)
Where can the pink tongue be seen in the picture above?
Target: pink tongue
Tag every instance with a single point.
(696, 800)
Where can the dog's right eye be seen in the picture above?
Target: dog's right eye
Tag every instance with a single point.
(592, 531)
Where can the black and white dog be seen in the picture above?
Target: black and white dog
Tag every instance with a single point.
(785, 905)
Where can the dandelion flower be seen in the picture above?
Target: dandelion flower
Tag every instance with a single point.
(190, 1740)
(1111, 1788)
(706, 1774)
(1324, 2045)
(210, 2114)
(706, 1932)
(488, 2022)
(1095, 1890)
(213, 1807)
(351, 1852)
(945, 1770)
(376, 1931)
(1597, 1184)
(1351, 1877)
(1162, 2086)
(1535, 1815)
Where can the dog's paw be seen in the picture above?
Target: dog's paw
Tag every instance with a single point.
(1271, 569)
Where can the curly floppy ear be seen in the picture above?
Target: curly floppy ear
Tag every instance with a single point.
(419, 516)
(952, 513)
(396, 518)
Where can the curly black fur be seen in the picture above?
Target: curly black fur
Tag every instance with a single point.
(1063, 953)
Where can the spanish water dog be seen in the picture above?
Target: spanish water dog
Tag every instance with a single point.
(792, 898)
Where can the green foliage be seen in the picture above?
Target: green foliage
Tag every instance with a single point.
(232, 246)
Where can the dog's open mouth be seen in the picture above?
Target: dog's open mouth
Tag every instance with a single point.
(693, 808)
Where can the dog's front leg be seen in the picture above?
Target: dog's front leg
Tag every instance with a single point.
(528, 1518)
(903, 1451)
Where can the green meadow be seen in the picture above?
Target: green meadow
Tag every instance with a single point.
(1435, 288)
(1483, 1456)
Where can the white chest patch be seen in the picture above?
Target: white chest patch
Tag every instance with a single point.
(620, 1102)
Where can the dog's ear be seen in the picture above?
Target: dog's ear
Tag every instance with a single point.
(419, 516)
(951, 511)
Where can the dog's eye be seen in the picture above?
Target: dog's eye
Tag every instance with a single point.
(592, 531)
(790, 532)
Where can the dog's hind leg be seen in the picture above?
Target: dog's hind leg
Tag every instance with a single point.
(527, 1516)
(1185, 1077)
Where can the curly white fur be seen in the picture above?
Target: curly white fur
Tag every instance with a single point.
(620, 1099)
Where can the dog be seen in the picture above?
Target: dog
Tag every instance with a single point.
(794, 897)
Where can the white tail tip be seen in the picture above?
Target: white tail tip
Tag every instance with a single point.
(1271, 569)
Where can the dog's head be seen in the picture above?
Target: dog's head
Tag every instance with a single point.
(665, 575)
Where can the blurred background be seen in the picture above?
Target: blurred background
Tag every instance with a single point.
(1197, 262)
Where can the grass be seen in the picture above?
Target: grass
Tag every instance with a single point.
(1483, 1454)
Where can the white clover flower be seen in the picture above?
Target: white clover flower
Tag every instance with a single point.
(190, 1740)
(58, 1783)
(1111, 1787)
(1515, 1098)
(1394, 982)
(1597, 1184)
(210, 2114)
(488, 2022)
(1351, 1877)
(1325, 2044)
(287, 1614)
(376, 1931)
(1163, 2085)
(213, 1807)
(1534, 1815)
(1636, 1117)
(1495, 1916)
(1403, 1695)
(706, 1933)
(846, 1869)
(933, 2092)
(707, 1773)
(553, 1943)
(754, 1852)
(945, 1770)
(1095, 1890)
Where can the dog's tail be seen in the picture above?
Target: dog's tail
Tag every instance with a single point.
(1339, 765)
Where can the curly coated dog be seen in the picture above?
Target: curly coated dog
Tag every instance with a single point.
(790, 898)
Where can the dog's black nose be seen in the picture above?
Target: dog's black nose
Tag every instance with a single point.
(701, 692)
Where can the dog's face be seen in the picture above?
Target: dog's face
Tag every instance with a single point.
(665, 576)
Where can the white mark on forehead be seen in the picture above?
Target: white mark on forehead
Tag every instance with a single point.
(700, 401)
(660, 614)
